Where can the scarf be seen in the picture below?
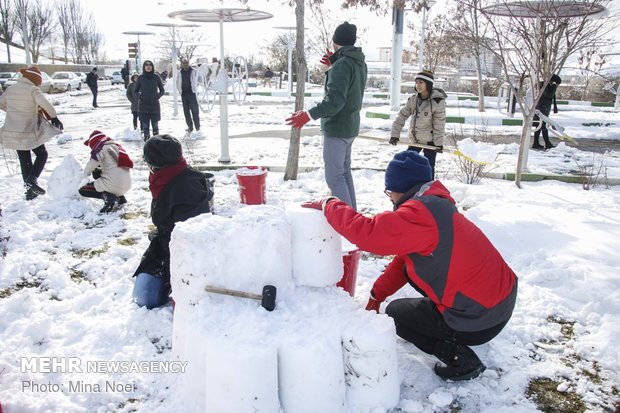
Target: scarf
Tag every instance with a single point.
(124, 161)
(159, 179)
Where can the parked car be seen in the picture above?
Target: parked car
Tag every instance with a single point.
(46, 83)
(81, 75)
(66, 81)
(117, 78)
(4, 76)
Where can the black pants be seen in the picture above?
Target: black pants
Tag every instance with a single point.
(544, 130)
(89, 191)
(147, 120)
(26, 165)
(135, 119)
(429, 154)
(94, 91)
(419, 322)
(190, 110)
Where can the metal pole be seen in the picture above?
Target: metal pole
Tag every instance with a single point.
(224, 155)
(397, 57)
(25, 34)
(422, 35)
(139, 59)
(175, 92)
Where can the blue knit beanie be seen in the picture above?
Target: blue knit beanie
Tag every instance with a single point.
(407, 169)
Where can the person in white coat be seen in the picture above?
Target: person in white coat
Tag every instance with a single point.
(187, 85)
(24, 129)
(110, 165)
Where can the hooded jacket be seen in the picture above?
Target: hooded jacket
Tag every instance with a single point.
(149, 88)
(428, 118)
(344, 90)
(437, 250)
(21, 103)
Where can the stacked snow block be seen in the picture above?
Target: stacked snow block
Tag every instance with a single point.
(318, 351)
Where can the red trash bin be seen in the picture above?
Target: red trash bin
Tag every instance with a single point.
(252, 184)
(351, 260)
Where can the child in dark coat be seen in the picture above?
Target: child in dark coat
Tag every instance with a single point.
(179, 193)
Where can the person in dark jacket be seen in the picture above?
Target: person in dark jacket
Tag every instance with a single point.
(92, 80)
(339, 110)
(544, 105)
(133, 97)
(179, 193)
(468, 290)
(187, 85)
(125, 73)
(150, 89)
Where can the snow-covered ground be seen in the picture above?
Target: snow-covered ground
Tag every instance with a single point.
(65, 270)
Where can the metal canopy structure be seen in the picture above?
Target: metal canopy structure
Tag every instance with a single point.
(551, 9)
(223, 15)
(173, 56)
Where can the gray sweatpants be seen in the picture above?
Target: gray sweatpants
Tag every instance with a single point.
(337, 159)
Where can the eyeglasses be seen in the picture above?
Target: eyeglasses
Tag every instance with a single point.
(388, 193)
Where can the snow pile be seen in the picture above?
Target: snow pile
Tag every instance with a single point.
(65, 180)
(244, 358)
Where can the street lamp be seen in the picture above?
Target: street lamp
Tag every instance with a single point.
(173, 59)
(426, 6)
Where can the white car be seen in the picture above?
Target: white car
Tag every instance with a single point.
(66, 81)
(81, 75)
(117, 78)
(4, 76)
(46, 84)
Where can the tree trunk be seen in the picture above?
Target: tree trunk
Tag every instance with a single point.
(524, 144)
(480, 84)
(292, 162)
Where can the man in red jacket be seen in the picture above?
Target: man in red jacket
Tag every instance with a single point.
(468, 291)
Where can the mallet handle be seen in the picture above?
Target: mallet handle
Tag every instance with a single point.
(234, 293)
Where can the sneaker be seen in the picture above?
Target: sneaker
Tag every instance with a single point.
(122, 200)
(31, 184)
(30, 194)
(537, 146)
(549, 145)
(110, 201)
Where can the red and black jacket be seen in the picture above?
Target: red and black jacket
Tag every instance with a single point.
(439, 251)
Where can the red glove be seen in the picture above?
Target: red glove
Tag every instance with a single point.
(298, 119)
(373, 305)
(325, 59)
(318, 204)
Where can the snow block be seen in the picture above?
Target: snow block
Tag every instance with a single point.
(64, 182)
(317, 248)
(371, 362)
(320, 388)
(192, 267)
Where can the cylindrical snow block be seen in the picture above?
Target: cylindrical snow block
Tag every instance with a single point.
(316, 248)
(350, 261)
(371, 363)
(252, 184)
(311, 373)
(241, 380)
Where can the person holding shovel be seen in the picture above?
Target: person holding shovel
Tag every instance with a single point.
(468, 291)
(427, 109)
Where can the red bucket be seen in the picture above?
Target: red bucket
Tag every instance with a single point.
(351, 260)
(252, 184)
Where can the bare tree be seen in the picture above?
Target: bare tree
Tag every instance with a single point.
(63, 14)
(40, 26)
(469, 29)
(8, 22)
(538, 46)
(187, 43)
(441, 48)
(590, 62)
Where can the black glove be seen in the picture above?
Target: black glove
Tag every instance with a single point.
(97, 173)
(439, 149)
(57, 123)
(394, 140)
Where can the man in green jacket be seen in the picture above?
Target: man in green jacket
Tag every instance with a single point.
(345, 80)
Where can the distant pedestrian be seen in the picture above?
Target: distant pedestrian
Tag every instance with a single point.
(92, 79)
(150, 89)
(109, 165)
(544, 106)
(427, 110)
(134, 99)
(187, 85)
(22, 129)
(267, 76)
(339, 111)
(125, 73)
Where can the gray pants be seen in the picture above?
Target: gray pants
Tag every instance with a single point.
(337, 159)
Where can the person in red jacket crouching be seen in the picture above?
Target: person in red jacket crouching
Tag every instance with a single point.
(468, 291)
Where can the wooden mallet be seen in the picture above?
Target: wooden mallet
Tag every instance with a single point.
(267, 298)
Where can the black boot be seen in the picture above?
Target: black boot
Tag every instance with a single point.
(30, 194)
(109, 201)
(461, 363)
(122, 200)
(548, 144)
(31, 184)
